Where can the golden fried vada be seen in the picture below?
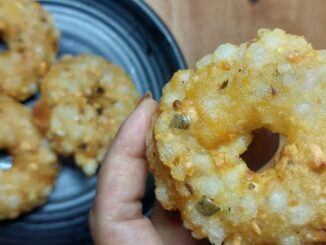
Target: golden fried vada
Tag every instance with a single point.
(83, 102)
(32, 42)
(30, 180)
(204, 123)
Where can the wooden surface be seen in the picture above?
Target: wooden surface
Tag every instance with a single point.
(201, 25)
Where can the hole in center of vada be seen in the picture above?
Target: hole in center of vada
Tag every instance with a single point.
(5, 160)
(3, 46)
(263, 148)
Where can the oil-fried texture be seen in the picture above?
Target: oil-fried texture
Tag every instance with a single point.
(32, 42)
(84, 101)
(29, 181)
(204, 124)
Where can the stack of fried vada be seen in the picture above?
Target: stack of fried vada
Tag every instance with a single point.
(84, 99)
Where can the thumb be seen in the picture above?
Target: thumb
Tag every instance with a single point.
(116, 217)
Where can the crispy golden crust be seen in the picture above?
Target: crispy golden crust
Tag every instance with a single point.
(84, 101)
(205, 122)
(30, 180)
(32, 42)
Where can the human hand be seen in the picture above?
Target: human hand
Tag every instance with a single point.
(116, 216)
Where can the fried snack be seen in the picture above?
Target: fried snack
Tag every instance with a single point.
(32, 43)
(84, 101)
(27, 184)
(204, 124)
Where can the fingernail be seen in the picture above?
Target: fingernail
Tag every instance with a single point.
(147, 95)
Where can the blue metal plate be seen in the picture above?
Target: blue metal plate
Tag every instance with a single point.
(127, 33)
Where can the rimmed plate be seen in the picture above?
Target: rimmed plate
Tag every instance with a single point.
(128, 33)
